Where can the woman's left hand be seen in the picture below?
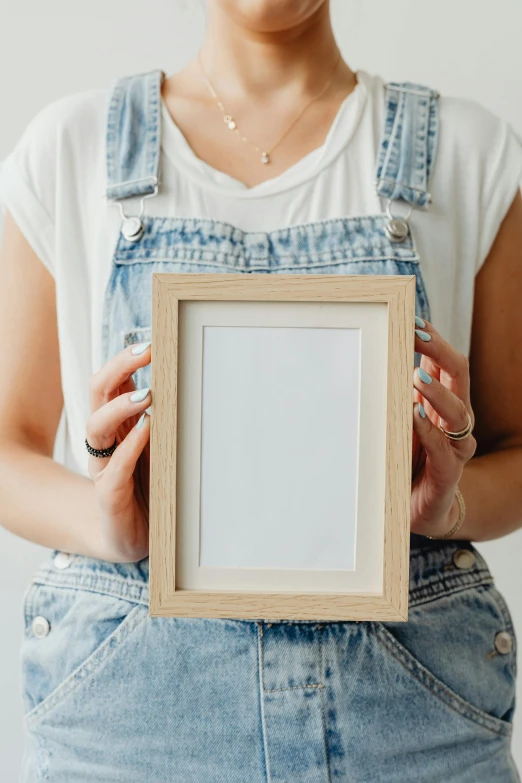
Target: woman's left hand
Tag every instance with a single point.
(442, 389)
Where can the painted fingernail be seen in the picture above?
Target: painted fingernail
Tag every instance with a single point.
(419, 322)
(140, 348)
(424, 336)
(148, 410)
(141, 420)
(139, 396)
(424, 376)
(422, 411)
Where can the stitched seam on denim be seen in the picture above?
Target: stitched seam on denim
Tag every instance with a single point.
(432, 596)
(92, 663)
(434, 126)
(111, 132)
(132, 592)
(425, 92)
(151, 152)
(438, 588)
(502, 608)
(322, 697)
(392, 136)
(295, 688)
(28, 604)
(138, 181)
(419, 174)
(73, 577)
(400, 184)
(225, 265)
(42, 755)
(375, 217)
(435, 686)
(261, 698)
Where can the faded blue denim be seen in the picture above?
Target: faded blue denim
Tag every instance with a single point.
(112, 695)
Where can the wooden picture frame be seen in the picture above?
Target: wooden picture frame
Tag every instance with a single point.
(382, 518)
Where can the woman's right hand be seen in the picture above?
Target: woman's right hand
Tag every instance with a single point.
(121, 481)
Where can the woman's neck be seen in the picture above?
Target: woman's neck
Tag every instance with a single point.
(267, 81)
(268, 65)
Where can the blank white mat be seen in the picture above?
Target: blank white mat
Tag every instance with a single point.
(267, 499)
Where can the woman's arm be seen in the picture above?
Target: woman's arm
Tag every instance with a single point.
(486, 465)
(40, 499)
(492, 480)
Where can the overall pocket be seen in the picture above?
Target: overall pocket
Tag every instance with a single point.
(462, 648)
(69, 634)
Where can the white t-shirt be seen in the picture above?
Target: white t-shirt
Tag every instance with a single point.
(54, 180)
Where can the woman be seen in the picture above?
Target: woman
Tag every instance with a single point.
(271, 160)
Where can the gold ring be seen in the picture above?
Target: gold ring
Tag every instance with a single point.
(461, 434)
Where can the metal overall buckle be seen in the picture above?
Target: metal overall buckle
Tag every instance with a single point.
(132, 227)
(397, 228)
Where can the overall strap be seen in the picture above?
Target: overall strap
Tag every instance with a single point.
(133, 135)
(408, 143)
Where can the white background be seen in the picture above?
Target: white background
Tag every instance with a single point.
(469, 48)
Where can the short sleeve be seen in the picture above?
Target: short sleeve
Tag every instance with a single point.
(502, 177)
(28, 182)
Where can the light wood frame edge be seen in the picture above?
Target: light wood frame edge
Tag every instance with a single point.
(398, 291)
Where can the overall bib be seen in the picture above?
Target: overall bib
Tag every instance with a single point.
(113, 696)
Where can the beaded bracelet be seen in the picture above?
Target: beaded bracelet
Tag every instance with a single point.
(458, 523)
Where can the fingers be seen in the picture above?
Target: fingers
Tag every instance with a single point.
(444, 402)
(452, 368)
(122, 464)
(443, 460)
(103, 423)
(113, 420)
(117, 372)
(442, 452)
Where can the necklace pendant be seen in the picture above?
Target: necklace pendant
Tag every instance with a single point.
(265, 158)
(229, 121)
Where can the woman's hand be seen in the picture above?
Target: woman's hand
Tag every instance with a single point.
(442, 389)
(121, 481)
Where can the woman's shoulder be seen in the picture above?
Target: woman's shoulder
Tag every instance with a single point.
(61, 143)
(468, 127)
(71, 117)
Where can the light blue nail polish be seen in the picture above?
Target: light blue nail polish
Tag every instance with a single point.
(140, 348)
(422, 411)
(139, 396)
(141, 420)
(424, 376)
(148, 410)
(419, 322)
(424, 336)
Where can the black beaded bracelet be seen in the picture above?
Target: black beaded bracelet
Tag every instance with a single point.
(101, 452)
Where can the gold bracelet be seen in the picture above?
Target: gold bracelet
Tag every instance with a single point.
(458, 523)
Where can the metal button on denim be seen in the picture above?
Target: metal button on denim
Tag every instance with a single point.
(62, 560)
(503, 642)
(132, 229)
(40, 627)
(464, 558)
(396, 230)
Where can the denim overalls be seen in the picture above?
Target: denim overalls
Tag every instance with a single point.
(114, 695)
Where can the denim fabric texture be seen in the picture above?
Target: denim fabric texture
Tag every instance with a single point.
(348, 246)
(113, 695)
(408, 148)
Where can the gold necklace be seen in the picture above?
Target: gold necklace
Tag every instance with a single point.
(231, 124)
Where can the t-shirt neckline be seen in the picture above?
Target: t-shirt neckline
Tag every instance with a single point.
(341, 131)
